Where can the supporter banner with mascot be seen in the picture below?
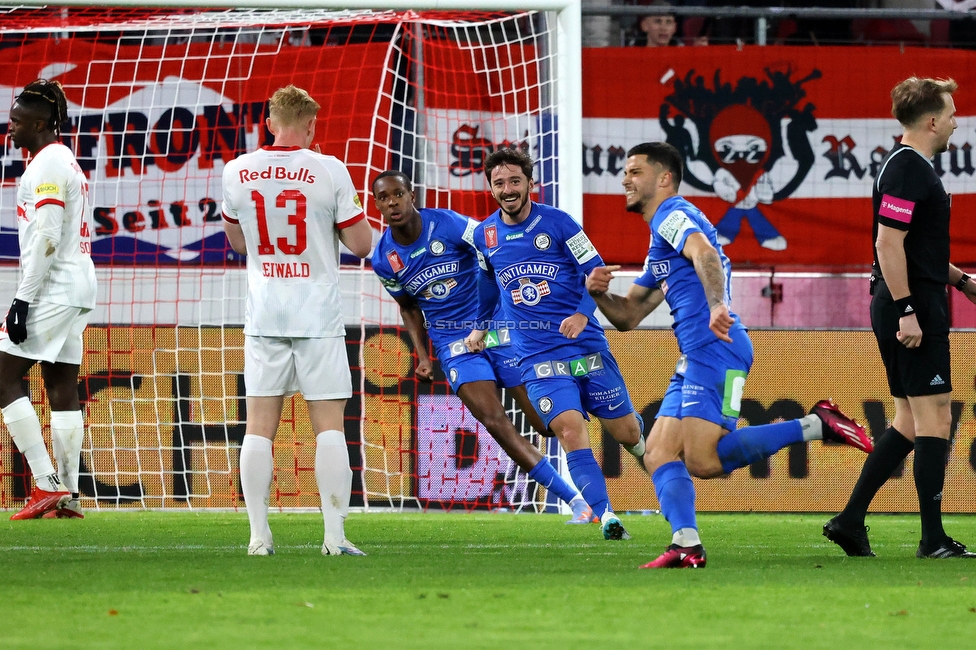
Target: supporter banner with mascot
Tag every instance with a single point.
(781, 144)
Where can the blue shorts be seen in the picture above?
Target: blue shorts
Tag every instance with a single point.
(708, 382)
(494, 364)
(588, 384)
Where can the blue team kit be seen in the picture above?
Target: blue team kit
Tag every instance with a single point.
(537, 270)
(711, 373)
(440, 271)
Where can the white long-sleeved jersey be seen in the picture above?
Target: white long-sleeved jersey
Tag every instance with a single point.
(54, 230)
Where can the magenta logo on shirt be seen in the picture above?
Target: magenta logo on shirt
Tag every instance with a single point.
(897, 209)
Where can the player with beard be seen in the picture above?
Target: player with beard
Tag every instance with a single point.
(536, 258)
(700, 410)
(54, 299)
(910, 317)
(427, 262)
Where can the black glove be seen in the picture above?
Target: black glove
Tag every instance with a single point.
(17, 321)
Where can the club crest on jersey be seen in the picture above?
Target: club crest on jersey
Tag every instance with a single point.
(395, 262)
(491, 236)
(437, 247)
(529, 293)
(542, 241)
(439, 290)
(545, 405)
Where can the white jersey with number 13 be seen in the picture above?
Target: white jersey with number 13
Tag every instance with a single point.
(291, 203)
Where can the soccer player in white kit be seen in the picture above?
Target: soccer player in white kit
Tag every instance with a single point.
(287, 208)
(53, 301)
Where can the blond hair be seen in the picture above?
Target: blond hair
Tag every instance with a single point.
(915, 97)
(292, 105)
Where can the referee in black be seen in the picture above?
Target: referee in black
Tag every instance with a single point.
(910, 317)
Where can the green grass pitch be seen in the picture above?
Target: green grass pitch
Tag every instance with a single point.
(183, 580)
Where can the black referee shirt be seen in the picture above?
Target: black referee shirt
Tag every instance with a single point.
(909, 196)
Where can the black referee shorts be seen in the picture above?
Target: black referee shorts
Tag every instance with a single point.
(924, 370)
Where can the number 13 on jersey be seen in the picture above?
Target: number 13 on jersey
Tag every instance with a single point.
(296, 202)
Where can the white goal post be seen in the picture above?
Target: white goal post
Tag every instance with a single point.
(159, 100)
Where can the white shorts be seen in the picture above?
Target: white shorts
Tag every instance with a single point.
(317, 368)
(54, 334)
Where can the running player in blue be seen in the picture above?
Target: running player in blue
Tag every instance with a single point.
(536, 257)
(426, 261)
(698, 416)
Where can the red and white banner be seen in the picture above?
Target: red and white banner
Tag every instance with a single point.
(153, 125)
(781, 144)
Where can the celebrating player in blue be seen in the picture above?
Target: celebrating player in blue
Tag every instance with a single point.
(698, 416)
(427, 262)
(536, 257)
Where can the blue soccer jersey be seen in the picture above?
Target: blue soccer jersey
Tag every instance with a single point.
(440, 271)
(539, 267)
(666, 268)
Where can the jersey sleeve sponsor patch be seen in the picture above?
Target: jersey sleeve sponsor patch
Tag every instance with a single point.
(468, 234)
(674, 226)
(47, 189)
(581, 247)
(898, 209)
(391, 284)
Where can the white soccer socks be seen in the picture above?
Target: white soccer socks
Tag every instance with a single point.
(334, 478)
(25, 430)
(812, 427)
(686, 537)
(637, 450)
(67, 436)
(257, 470)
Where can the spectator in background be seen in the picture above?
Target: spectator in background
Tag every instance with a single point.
(661, 30)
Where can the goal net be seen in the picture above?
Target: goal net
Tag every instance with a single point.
(159, 102)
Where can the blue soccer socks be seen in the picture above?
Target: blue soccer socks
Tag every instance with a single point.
(588, 477)
(676, 494)
(745, 446)
(546, 475)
